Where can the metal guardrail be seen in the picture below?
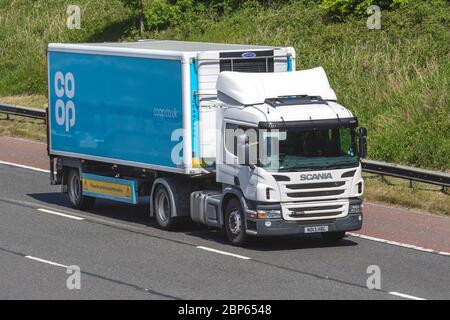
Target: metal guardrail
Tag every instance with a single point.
(410, 173)
(23, 111)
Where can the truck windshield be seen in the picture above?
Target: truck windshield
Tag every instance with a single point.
(297, 149)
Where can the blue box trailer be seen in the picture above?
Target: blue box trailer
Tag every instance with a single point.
(138, 104)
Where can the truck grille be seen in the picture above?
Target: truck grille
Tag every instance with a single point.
(233, 61)
(318, 199)
(315, 194)
(315, 185)
(315, 210)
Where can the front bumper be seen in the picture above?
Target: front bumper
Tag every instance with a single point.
(278, 227)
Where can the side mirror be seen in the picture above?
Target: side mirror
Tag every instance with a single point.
(362, 133)
(243, 150)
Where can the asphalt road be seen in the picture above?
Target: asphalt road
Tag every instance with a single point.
(122, 254)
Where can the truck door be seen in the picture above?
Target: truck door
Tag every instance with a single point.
(234, 170)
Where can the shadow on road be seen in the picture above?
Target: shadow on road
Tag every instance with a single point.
(103, 208)
(275, 243)
(139, 215)
(54, 198)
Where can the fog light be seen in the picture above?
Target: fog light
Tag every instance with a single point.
(268, 223)
(354, 208)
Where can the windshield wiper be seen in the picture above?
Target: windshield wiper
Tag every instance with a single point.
(338, 165)
(334, 165)
(298, 168)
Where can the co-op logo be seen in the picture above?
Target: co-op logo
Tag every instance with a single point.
(65, 90)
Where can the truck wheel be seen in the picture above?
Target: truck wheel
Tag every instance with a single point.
(74, 191)
(333, 236)
(235, 222)
(163, 208)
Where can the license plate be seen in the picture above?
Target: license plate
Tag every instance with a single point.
(316, 229)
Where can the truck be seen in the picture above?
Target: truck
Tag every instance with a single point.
(230, 136)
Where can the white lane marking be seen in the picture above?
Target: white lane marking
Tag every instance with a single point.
(47, 262)
(224, 253)
(60, 214)
(406, 296)
(399, 244)
(24, 167)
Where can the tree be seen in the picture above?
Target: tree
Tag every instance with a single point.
(137, 7)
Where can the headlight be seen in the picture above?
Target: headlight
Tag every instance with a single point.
(269, 214)
(355, 208)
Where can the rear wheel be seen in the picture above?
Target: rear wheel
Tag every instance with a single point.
(75, 191)
(163, 208)
(235, 222)
(333, 236)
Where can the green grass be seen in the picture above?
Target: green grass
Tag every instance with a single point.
(396, 80)
(27, 26)
(24, 127)
(21, 127)
(395, 191)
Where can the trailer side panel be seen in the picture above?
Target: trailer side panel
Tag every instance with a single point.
(116, 109)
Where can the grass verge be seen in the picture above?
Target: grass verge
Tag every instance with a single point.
(33, 100)
(23, 127)
(395, 191)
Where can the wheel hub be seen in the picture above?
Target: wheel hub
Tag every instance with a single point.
(163, 207)
(234, 222)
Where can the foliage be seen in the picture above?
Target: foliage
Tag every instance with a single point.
(396, 80)
(340, 8)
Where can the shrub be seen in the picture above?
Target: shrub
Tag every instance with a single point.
(341, 8)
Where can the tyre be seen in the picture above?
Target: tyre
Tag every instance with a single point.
(333, 236)
(235, 222)
(163, 208)
(75, 192)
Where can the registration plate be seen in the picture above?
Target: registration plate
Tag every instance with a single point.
(316, 229)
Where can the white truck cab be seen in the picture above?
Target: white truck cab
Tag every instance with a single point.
(289, 152)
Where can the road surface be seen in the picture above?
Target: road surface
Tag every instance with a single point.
(121, 254)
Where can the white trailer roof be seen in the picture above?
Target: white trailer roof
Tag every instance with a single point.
(255, 88)
(166, 49)
(179, 46)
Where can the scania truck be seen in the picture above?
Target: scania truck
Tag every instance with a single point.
(230, 136)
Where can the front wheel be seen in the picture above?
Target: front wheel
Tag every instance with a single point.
(75, 192)
(333, 236)
(235, 222)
